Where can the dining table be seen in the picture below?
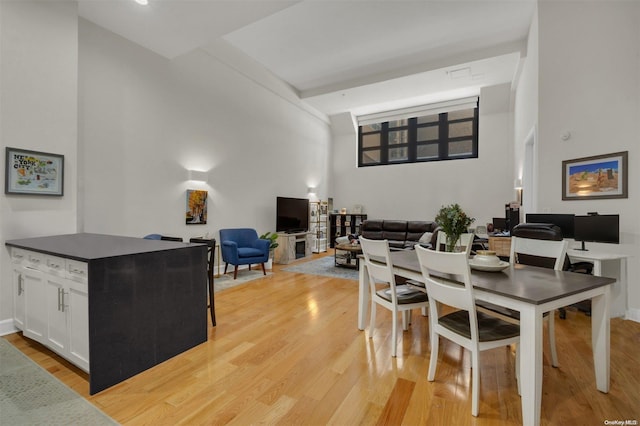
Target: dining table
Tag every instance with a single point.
(532, 291)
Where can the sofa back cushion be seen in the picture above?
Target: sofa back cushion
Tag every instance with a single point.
(394, 230)
(371, 229)
(417, 228)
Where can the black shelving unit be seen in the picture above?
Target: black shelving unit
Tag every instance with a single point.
(344, 224)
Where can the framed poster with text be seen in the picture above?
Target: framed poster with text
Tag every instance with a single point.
(33, 173)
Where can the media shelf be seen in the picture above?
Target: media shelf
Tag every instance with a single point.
(318, 225)
(344, 224)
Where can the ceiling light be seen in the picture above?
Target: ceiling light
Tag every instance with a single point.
(142, 2)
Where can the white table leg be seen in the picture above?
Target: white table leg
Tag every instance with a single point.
(600, 335)
(531, 365)
(363, 295)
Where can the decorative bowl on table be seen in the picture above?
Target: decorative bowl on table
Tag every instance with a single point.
(487, 260)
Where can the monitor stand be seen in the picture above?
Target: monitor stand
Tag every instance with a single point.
(583, 248)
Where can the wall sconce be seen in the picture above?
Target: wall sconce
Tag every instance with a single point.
(517, 185)
(311, 190)
(197, 176)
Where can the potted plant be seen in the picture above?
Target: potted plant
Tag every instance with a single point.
(454, 222)
(273, 237)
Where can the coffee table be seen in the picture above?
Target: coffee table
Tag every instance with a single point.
(347, 255)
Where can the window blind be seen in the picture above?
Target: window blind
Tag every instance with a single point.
(418, 111)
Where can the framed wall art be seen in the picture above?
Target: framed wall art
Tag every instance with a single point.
(33, 173)
(597, 177)
(196, 207)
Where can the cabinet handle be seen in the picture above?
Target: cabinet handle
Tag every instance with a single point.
(62, 305)
(20, 285)
(59, 298)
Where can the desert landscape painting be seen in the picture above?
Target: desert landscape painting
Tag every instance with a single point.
(595, 177)
(590, 178)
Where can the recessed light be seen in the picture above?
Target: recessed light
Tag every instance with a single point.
(142, 2)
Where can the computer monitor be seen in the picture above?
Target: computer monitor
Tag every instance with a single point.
(597, 229)
(499, 223)
(564, 221)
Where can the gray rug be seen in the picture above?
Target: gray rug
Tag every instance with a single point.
(324, 266)
(224, 282)
(29, 395)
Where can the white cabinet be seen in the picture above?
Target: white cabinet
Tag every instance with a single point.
(17, 280)
(35, 310)
(52, 304)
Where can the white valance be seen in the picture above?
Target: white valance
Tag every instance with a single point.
(418, 111)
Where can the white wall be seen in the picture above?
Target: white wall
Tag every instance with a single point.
(146, 120)
(589, 68)
(526, 112)
(481, 186)
(38, 109)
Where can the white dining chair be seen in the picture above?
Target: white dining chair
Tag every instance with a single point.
(465, 242)
(474, 331)
(522, 250)
(396, 298)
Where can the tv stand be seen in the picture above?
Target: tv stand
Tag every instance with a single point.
(292, 246)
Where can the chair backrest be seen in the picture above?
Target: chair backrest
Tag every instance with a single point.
(377, 259)
(465, 241)
(166, 238)
(448, 281)
(378, 263)
(244, 237)
(529, 251)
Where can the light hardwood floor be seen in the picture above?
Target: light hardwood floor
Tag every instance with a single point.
(287, 351)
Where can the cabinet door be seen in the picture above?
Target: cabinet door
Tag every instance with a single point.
(18, 296)
(57, 336)
(77, 310)
(35, 307)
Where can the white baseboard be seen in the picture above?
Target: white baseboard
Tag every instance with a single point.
(6, 327)
(633, 315)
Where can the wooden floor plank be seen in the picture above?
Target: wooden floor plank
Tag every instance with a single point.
(287, 351)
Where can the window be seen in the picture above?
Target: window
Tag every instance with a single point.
(445, 131)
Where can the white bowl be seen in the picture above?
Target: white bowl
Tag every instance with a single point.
(486, 257)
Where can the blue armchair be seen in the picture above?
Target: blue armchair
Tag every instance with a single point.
(241, 246)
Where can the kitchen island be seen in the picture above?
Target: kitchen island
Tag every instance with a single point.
(143, 301)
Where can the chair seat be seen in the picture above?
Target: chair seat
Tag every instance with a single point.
(406, 295)
(501, 310)
(249, 252)
(490, 328)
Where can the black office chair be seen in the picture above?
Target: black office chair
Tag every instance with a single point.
(548, 231)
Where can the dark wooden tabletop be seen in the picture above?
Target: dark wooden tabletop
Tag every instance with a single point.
(527, 283)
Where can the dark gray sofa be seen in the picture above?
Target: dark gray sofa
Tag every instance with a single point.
(401, 234)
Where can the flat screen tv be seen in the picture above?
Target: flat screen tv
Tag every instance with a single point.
(597, 228)
(564, 221)
(292, 214)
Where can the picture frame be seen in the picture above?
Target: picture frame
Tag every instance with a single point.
(196, 212)
(596, 178)
(33, 172)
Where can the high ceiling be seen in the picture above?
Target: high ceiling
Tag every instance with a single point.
(341, 55)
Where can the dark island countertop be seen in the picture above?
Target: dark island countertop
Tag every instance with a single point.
(85, 247)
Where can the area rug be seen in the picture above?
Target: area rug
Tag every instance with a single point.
(324, 266)
(225, 281)
(29, 395)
